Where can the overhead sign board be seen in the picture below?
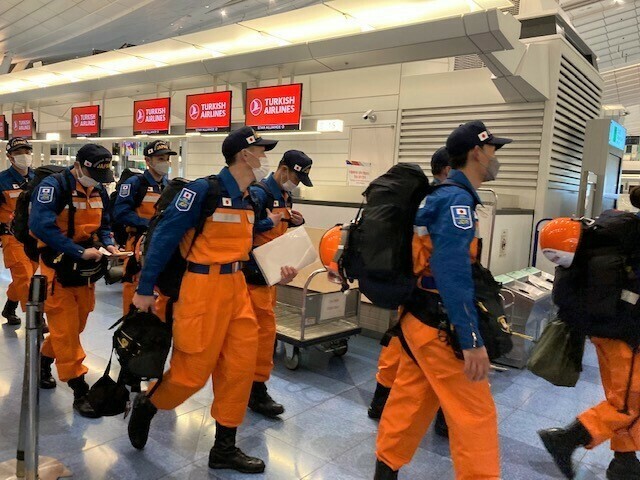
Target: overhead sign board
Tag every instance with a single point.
(85, 121)
(274, 108)
(617, 135)
(23, 125)
(208, 112)
(151, 116)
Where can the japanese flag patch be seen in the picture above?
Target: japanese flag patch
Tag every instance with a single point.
(185, 200)
(461, 215)
(125, 190)
(45, 194)
(226, 202)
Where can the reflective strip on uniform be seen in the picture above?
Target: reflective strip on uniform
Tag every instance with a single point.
(420, 231)
(96, 203)
(151, 198)
(14, 194)
(251, 217)
(226, 218)
(78, 205)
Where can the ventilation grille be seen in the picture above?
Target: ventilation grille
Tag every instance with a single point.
(579, 100)
(467, 62)
(423, 131)
(515, 10)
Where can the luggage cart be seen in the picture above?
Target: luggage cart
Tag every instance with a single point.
(325, 321)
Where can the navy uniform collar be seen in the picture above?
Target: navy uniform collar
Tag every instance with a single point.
(18, 176)
(458, 177)
(271, 184)
(152, 181)
(229, 183)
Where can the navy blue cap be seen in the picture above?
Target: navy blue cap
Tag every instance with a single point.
(470, 135)
(300, 163)
(159, 147)
(242, 138)
(439, 160)
(18, 142)
(97, 160)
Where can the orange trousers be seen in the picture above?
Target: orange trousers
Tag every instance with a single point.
(420, 389)
(606, 420)
(128, 288)
(21, 268)
(67, 310)
(263, 301)
(388, 363)
(215, 334)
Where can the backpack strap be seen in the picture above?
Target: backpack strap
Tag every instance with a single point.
(65, 184)
(270, 200)
(142, 190)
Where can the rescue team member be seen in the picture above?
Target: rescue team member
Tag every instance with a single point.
(67, 308)
(215, 332)
(444, 248)
(135, 214)
(275, 216)
(440, 167)
(390, 354)
(12, 181)
(618, 417)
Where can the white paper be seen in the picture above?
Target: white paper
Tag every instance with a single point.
(107, 253)
(293, 249)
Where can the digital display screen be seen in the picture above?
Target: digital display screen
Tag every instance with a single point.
(23, 125)
(208, 112)
(274, 108)
(617, 135)
(85, 121)
(151, 116)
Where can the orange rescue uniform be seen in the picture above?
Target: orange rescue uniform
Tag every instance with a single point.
(215, 332)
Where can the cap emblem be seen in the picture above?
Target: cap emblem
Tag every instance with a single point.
(297, 168)
(483, 136)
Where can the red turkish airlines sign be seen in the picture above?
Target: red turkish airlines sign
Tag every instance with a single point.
(22, 125)
(274, 108)
(151, 116)
(4, 128)
(208, 112)
(85, 121)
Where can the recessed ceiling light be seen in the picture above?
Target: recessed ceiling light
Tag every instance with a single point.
(223, 13)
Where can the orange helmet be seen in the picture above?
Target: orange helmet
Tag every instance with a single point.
(559, 240)
(329, 244)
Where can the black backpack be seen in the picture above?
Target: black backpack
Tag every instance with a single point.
(20, 222)
(170, 279)
(119, 230)
(377, 250)
(599, 295)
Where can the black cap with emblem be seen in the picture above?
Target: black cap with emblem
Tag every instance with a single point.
(470, 135)
(18, 142)
(300, 163)
(159, 147)
(97, 160)
(242, 138)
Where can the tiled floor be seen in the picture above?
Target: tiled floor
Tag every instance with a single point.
(324, 435)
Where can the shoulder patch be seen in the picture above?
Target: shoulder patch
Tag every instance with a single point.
(185, 200)
(45, 194)
(125, 190)
(461, 215)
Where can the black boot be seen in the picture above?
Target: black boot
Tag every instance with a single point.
(441, 427)
(624, 466)
(46, 379)
(140, 422)
(562, 442)
(384, 472)
(9, 312)
(225, 454)
(80, 398)
(379, 401)
(261, 402)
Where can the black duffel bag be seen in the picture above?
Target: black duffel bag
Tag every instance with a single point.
(142, 343)
(74, 272)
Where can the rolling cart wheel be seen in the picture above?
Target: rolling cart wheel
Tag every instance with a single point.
(341, 349)
(292, 361)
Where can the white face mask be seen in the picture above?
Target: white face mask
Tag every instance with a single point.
(162, 168)
(23, 161)
(85, 180)
(263, 171)
(288, 186)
